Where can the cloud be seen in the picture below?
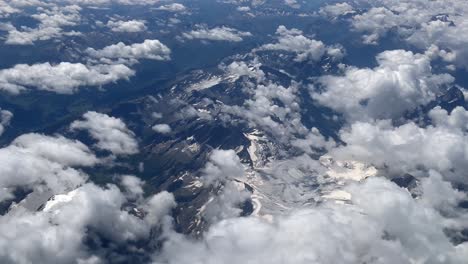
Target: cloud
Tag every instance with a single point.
(445, 37)
(241, 68)
(57, 149)
(158, 207)
(174, 7)
(127, 26)
(313, 142)
(263, 110)
(34, 160)
(439, 194)
(132, 185)
(376, 228)
(60, 232)
(216, 34)
(111, 2)
(62, 78)
(162, 128)
(297, 216)
(409, 148)
(456, 120)
(111, 133)
(226, 203)
(401, 81)
(292, 40)
(377, 21)
(81, 222)
(224, 165)
(51, 23)
(243, 8)
(6, 9)
(336, 10)
(5, 118)
(223, 168)
(422, 24)
(292, 3)
(151, 49)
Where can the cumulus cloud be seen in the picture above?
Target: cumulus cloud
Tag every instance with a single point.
(377, 21)
(224, 165)
(292, 40)
(223, 168)
(59, 232)
(78, 213)
(241, 68)
(158, 207)
(263, 110)
(162, 128)
(34, 160)
(51, 23)
(6, 9)
(292, 3)
(336, 10)
(243, 8)
(421, 23)
(401, 81)
(456, 120)
(127, 26)
(216, 34)
(383, 228)
(5, 118)
(439, 194)
(313, 142)
(409, 148)
(174, 7)
(63, 78)
(445, 37)
(376, 222)
(57, 149)
(111, 133)
(132, 185)
(117, 2)
(151, 49)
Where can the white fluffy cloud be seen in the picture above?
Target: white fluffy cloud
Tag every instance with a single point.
(174, 7)
(292, 40)
(127, 26)
(63, 78)
(409, 148)
(378, 222)
(149, 49)
(224, 165)
(216, 34)
(6, 9)
(221, 171)
(162, 128)
(262, 110)
(51, 23)
(132, 185)
(58, 232)
(111, 133)
(384, 225)
(59, 229)
(34, 160)
(110, 2)
(422, 23)
(337, 10)
(243, 8)
(5, 118)
(377, 21)
(57, 149)
(401, 81)
(292, 3)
